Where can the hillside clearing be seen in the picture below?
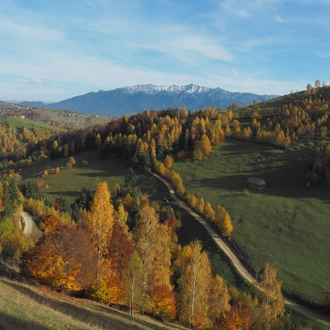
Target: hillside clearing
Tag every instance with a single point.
(273, 225)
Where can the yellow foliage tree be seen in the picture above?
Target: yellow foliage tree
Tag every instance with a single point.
(194, 283)
(223, 221)
(72, 161)
(272, 304)
(168, 161)
(153, 244)
(192, 200)
(209, 212)
(218, 298)
(200, 206)
(99, 222)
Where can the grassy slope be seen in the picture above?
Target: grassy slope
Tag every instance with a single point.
(286, 224)
(70, 182)
(28, 307)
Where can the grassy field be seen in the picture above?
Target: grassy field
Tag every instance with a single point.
(69, 183)
(286, 224)
(21, 122)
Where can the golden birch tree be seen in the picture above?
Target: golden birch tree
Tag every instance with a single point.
(194, 286)
(99, 222)
(272, 304)
(218, 298)
(153, 245)
(132, 284)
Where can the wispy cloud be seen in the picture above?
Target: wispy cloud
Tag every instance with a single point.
(33, 81)
(71, 47)
(278, 19)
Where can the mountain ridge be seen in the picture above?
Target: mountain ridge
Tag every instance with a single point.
(133, 99)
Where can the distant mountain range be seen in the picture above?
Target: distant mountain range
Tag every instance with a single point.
(134, 99)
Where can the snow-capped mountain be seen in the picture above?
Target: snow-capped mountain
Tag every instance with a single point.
(153, 89)
(126, 100)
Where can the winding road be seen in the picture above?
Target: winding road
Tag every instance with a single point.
(325, 319)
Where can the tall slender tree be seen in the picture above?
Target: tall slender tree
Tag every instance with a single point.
(194, 283)
(99, 222)
(272, 304)
(153, 245)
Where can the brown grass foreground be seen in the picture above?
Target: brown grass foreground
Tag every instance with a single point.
(25, 306)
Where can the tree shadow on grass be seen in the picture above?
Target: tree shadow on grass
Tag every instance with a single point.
(10, 322)
(94, 174)
(64, 193)
(114, 319)
(286, 175)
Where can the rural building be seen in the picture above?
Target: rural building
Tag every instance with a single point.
(256, 183)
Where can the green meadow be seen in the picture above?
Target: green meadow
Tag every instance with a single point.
(19, 123)
(285, 224)
(69, 183)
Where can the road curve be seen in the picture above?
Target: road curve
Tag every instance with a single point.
(236, 262)
(29, 228)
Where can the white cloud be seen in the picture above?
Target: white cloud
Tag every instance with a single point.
(278, 19)
(33, 81)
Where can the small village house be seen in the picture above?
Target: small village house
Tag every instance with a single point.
(256, 183)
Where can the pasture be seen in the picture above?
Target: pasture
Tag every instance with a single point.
(285, 224)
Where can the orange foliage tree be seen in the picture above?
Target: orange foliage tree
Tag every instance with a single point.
(63, 259)
(238, 318)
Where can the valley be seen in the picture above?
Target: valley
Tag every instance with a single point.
(63, 177)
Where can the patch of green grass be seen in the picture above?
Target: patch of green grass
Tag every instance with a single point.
(305, 322)
(19, 123)
(69, 183)
(285, 224)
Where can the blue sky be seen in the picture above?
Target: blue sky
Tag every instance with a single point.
(52, 50)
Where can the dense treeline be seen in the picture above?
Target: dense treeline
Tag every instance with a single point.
(284, 124)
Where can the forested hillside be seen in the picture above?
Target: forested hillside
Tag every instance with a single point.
(115, 245)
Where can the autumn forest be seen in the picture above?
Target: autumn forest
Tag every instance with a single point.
(117, 245)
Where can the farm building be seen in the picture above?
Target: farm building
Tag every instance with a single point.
(256, 183)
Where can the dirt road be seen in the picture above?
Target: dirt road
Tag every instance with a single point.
(325, 319)
(29, 227)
